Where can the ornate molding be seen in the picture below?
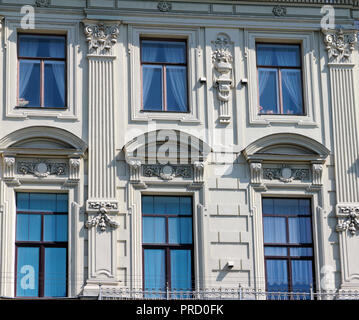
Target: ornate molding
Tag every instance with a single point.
(198, 174)
(167, 172)
(164, 6)
(351, 214)
(42, 168)
(42, 3)
(135, 170)
(9, 168)
(317, 173)
(286, 174)
(256, 172)
(102, 219)
(101, 38)
(279, 11)
(340, 45)
(222, 59)
(93, 205)
(74, 169)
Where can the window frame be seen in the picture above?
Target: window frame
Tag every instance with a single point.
(167, 247)
(279, 81)
(42, 72)
(288, 258)
(163, 73)
(42, 245)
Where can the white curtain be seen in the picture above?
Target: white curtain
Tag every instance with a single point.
(56, 49)
(291, 80)
(28, 49)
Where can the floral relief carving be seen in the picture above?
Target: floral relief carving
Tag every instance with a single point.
(101, 38)
(279, 11)
(42, 3)
(102, 219)
(351, 213)
(164, 6)
(167, 172)
(340, 44)
(286, 174)
(41, 168)
(223, 74)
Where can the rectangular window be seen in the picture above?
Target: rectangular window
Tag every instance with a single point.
(164, 75)
(41, 71)
(167, 243)
(41, 244)
(279, 70)
(288, 245)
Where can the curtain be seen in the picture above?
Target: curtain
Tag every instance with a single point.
(291, 80)
(277, 275)
(300, 230)
(302, 275)
(274, 230)
(56, 48)
(154, 230)
(155, 270)
(181, 273)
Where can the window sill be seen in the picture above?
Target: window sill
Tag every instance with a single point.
(41, 108)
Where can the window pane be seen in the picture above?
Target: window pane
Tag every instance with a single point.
(278, 55)
(155, 270)
(302, 275)
(22, 201)
(185, 205)
(268, 206)
(275, 251)
(43, 202)
(286, 206)
(167, 205)
(55, 227)
(28, 227)
(147, 205)
(277, 275)
(181, 270)
(154, 230)
(268, 91)
(55, 272)
(54, 92)
(152, 87)
(42, 46)
(176, 88)
(27, 282)
(301, 252)
(180, 230)
(300, 230)
(304, 207)
(62, 203)
(274, 230)
(292, 91)
(163, 51)
(29, 83)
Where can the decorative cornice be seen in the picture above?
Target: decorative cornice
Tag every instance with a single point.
(101, 38)
(351, 214)
(340, 44)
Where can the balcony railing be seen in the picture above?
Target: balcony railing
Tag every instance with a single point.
(222, 294)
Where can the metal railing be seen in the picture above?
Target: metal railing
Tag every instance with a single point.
(354, 3)
(222, 294)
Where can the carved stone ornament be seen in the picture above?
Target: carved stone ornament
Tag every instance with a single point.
(340, 44)
(351, 223)
(101, 38)
(285, 174)
(167, 172)
(279, 11)
(102, 220)
(41, 168)
(42, 3)
(222, 59)
(164, 6)
(97, 205)
(256, 170)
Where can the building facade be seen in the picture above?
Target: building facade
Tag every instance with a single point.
(178, 145)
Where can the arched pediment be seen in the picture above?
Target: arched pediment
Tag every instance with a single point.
(42, 138)
(286, 146)
(162, 145)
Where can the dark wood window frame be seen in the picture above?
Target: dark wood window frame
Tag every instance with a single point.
(42, 245)
(42, 72)
(279, 84)
(288, 258)
(164, 82)
(169, 246)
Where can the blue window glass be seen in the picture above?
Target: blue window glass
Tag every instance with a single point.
(300, 230)
(277, 275)
(28, 227)
(154, 230)
(55, 227)
(274, 230)
(27, 279)
(302, 275)
(42, 73)
(181, 273)
(275, 251)
(280, 79)
(55, 272)
(164, 75)
(155, 271)
(180, 230)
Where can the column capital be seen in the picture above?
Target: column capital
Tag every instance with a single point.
(340, 45)
(101, 37)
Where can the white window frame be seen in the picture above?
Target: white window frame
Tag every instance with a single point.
(192, 38)
(309, 73)
(73, 103)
